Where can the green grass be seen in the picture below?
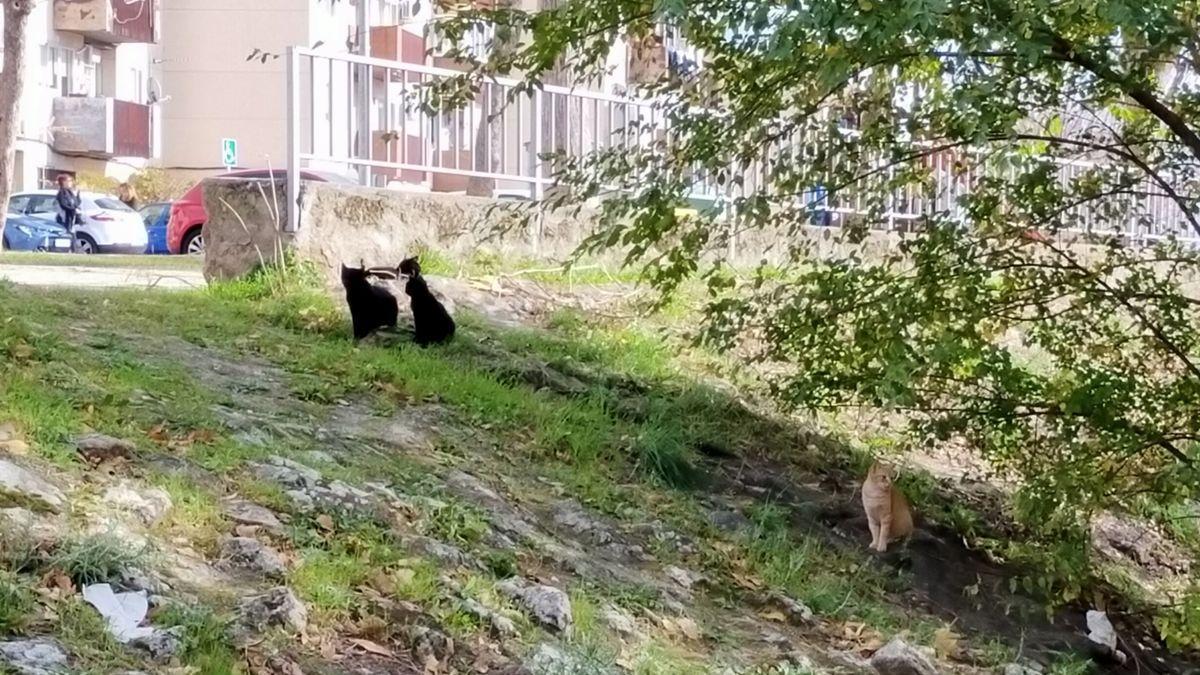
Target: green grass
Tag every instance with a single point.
(16, 603)
(455, 522)
(97, 558)
(85, 634)
(195, 514)
(206, 640)
(831, 584)
(161, 262)
(625, 447)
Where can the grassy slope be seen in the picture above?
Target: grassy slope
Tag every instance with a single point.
(70, 367)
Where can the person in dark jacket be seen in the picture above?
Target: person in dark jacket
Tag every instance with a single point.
(69, 202)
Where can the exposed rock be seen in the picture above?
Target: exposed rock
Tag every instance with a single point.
(446, 553)
(429, 642)
(140, 580)
(550, 660)
(319, 457)
(1122, 538)
(251, 554)
(900, 658)
(542, 376)
(849, 662)
(797, 612)
(620, 622)
(1022, 669)
(549, 605)
(685, 578)
(571, 517)
(303, 485)
(150, 505)
(277, 607)
(162, 645)
(287, 473)
(20, 487)
(729, 520)
(40, 529)
(98, 448)
(248, 513)
(502, 626)
(38, 656)
(192, 572)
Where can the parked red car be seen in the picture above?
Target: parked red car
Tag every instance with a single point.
(184, 230)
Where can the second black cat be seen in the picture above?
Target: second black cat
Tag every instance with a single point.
(371, 307)
(431, 322)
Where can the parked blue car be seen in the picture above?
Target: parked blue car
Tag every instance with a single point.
(156, 216)
(35, 233)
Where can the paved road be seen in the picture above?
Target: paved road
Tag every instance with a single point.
(101, 277)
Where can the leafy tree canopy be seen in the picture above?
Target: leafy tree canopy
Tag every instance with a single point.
(1068, 360)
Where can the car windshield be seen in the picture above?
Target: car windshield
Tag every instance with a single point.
(109, 204)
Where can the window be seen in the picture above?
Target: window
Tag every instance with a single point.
(48, 178)
(139, 85)
(18, 204)
(150, 214)
(42, 204)
(56, 66)
(112, 205)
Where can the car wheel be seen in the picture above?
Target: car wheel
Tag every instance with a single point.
(193, 243)
(85, 245)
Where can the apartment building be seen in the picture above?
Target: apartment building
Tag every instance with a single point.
(227, 72)
(219, 92)
(91, 95)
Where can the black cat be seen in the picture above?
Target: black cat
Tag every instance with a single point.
(431, 322)
(371, 307)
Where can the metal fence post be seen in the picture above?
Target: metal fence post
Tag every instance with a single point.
(539, 171)
(293, 141)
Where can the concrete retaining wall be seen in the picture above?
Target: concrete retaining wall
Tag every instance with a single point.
(345, 224)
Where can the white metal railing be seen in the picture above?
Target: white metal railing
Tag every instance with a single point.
(372, 117)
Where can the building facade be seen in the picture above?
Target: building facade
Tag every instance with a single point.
(92, 92)
(226, 70)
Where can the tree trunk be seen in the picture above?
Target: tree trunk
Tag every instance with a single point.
(485, 153)
(12, 82)
(489, 134)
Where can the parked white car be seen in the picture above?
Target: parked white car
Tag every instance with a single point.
(106, 224)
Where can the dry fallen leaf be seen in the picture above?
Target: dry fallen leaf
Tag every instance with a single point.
(946, 643)
(383, 582)
(57, 579)
(328, 651)
(371, 647)
(689, 628)
(774, 615)
(14, 447)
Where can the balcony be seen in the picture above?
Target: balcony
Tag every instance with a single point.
(107, 21)
(101, 127)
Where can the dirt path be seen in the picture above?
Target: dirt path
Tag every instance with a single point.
(78, 276)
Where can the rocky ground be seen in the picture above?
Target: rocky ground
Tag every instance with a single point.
(547, 495)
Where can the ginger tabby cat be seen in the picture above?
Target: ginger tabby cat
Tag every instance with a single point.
(888, 513)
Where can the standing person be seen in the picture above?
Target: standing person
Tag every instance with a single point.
(128, 194)
(68, 203)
